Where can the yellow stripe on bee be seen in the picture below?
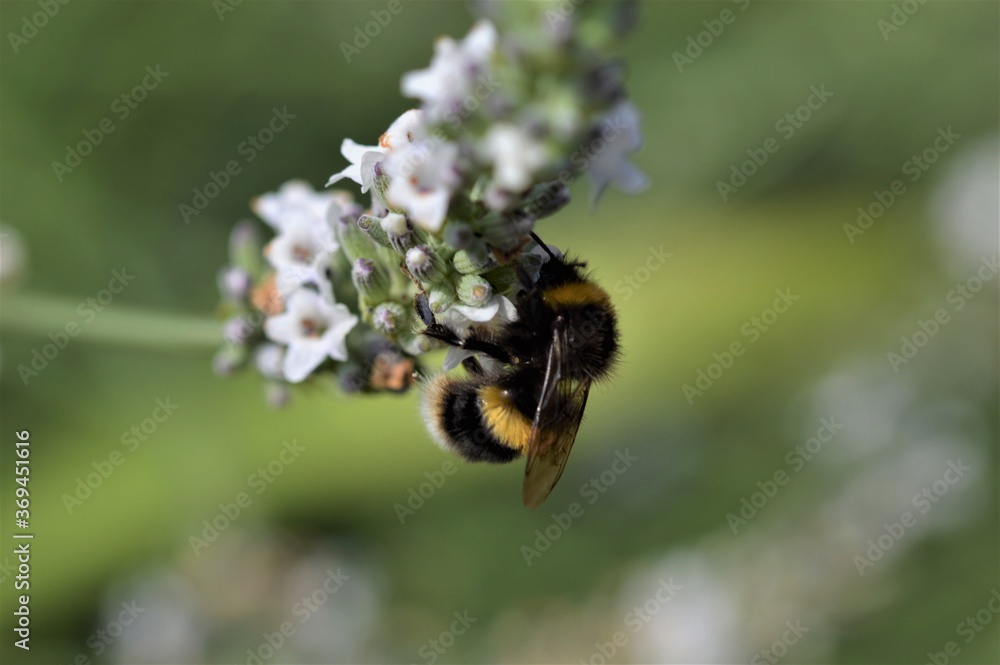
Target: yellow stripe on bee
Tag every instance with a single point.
(506, 423)
(576, 293)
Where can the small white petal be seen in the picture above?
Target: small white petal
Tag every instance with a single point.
(507, 310)
(302, 358)
(335, 338)
(403, 130)
(481, 40)
(282, 328)
(516, 156)
(479, 314)
(454, 358)
(351, 171)
(453, 71)
(355, 151)
(612, 165)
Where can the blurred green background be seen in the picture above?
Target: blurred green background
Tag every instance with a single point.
(665, 517)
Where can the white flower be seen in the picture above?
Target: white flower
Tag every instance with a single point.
(401, 132)
(269, 359)
(295, 202)
(301, 253)
(621, 134)
(422, 177)
(516, 157)
(313, 330)
(453, 71)
(460, 317)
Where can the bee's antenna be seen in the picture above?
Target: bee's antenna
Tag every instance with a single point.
(541, 244)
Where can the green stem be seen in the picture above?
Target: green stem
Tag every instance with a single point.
(38, 315)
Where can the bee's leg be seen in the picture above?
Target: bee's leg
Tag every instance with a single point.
(472, 366)
(423, 307)
(448, 336)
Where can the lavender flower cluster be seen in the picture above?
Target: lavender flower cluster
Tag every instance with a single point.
(507, 119)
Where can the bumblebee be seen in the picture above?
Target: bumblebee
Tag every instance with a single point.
(529, 397)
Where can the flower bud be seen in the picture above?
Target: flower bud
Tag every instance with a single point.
(474, 290)
(370, 280)
(277, 395)
(439, 300)
(469, 263)
(543, 200)
(229, 359)
(458, 234)
(501, 231)
(245, 247)
(374, 178)
(424, 264)
(268, 359)
(237, 330)
(503, 279)
(400, 232)
(389, 318)
(372, 227)
(353, 241)
(351, 377)
(234, 283)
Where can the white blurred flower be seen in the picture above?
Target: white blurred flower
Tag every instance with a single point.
(269, 358)
(401, 132)
(516, 157)
(621, 135)
(967, 206)
(313, 330)
(296, 202)
(422, 178)
(301, 253)
(12, 255)
(454, 70)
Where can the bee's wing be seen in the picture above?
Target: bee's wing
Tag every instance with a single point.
(557, 419)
